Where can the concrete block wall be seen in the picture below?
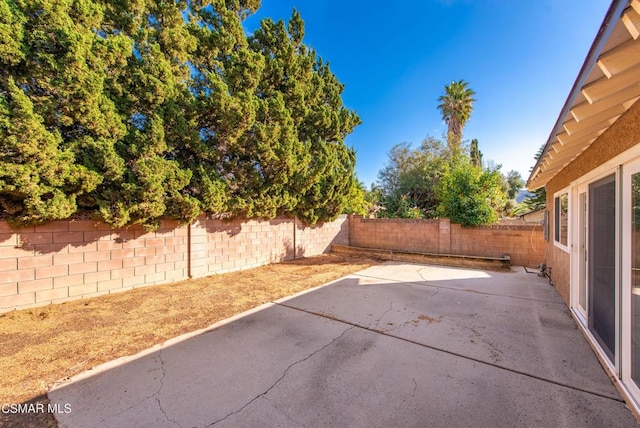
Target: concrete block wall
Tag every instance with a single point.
(219, 246)
(64, 260)
(72, 259)
(312, 240)
(397, 234)
(524, 243)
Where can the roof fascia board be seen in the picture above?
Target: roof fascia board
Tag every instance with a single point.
(608, 24)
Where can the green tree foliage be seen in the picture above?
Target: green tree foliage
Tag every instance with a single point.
(152, 98)
(456, 106)
(537, 200)
(410, 178)
(144, 109)
(539, 197)
(38, 179)
(470, 195)
(318, 174)
(358, 201)
(515, 183)
(430, 181)
(475, 153)
(54, 112)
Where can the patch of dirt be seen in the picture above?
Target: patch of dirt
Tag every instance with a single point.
(43, 345)
(425, 318)
(428, 319)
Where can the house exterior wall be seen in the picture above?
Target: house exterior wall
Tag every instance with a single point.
(621, 136)
(65, 260)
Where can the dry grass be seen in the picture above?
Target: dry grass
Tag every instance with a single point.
(43, 345)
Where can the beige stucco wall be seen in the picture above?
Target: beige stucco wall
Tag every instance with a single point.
(621, 136)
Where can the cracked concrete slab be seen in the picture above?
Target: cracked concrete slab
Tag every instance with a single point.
(369, 380)
(199, 380)
(513, 319)
(394, 345)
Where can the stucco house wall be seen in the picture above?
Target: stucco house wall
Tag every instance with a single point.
(621, 136)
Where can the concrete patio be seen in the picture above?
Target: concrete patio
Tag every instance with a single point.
(397, 344)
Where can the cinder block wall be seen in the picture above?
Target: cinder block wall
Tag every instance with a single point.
(395, 233)
(66, 260)
(312, 240)
(63, 260)
(524, 243)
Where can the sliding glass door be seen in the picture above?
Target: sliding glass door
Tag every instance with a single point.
(634, 268)
(601, 265)
(631, 278)
(605, 254)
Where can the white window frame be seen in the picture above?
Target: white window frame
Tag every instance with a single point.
(556, 196)
(631, 167)
(576, 211)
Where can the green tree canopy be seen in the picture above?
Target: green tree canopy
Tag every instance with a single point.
(318, 173)
(431, 181)
(515, 182)
(142, 109)
(475, 153)
(359, 200)
(410, 178)
(539, 197)
(470, 195)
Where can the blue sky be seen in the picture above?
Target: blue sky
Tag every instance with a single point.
(395, 57)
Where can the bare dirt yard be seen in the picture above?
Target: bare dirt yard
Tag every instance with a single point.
(43, 345)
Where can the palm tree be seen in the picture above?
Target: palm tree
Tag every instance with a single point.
(456, 106)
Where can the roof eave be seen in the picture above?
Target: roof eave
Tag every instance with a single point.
(614, 13)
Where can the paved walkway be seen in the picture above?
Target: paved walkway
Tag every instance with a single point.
(396, 345)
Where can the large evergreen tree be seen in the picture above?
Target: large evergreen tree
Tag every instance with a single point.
(475, 153)
(142, 109)
(317, 173)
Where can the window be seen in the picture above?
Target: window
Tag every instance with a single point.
(561, 218)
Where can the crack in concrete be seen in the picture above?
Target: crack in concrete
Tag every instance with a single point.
(157, 394)
(383, 315)
(284, 373)
(460, 355)
(426, 282)
(422, 276)
(494, 352)
(142, 400)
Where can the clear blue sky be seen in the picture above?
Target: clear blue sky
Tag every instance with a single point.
(395, 57)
